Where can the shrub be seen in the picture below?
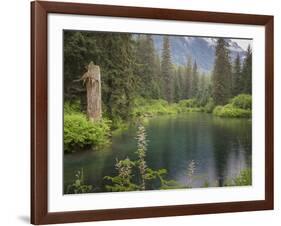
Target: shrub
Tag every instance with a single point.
(209, 107)
(218, 110)
(244, 178)
(72, 107)
(188, 103)
(238, 107)
(243, 101)
(78, 186)
(151, 107)
(136, 175)
(230, 111)
(80, 133)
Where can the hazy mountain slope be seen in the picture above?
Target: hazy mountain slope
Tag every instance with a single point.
(200, 49)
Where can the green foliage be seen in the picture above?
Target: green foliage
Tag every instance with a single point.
(78, 186)
(188, 79)
(179, 85)
(144, 177)
(123, 181)
(209, 107)
(118, 125)
(133, 68)
(222, 74)
(80, 133)
(117, 68)
(188, 103)
(237, 77)
(141, 152)
(238, 107)
(167, 70)
(72, 107)
(247, 72)
(244, 178)
(243, 101)
(231, 112)
(147, 67)
(149, 107)
(194, 80)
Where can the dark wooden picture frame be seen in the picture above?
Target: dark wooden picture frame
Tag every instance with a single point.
(39, 112)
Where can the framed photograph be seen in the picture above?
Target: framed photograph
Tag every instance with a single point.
(146, 112)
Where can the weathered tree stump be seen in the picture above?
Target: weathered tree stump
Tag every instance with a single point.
(93, 85)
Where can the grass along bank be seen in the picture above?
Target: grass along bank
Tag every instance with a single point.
(150, 107)
(82, 134)
(238, 107)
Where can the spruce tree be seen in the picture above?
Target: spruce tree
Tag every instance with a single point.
(247, 71)
(147, 67)
(167, 70)
(204, 93)
(178, 84)
(117, 68)
(237, 79)
(118, 63)
(188, 79)
(194, 80)
(221, 74)
(158, 78)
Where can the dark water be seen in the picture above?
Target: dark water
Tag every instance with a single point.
(220, 148)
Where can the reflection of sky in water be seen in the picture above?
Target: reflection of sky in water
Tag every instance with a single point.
(219, 147)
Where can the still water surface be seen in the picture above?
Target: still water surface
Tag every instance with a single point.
(220, 147)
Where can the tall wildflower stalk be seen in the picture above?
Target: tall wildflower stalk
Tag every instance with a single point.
(126, 180)
(78, 185)
(124, 168)
(141, 152)
(190, 172)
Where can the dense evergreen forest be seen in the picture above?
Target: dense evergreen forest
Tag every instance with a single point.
(138, 83)
(131, 68)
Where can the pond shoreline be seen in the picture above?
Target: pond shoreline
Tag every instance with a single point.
(178, 135)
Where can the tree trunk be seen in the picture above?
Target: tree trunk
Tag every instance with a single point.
(92, 79)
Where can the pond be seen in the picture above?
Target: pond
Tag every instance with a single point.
(219, 147)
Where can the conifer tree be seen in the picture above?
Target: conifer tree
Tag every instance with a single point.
(204, 89)
(221, 74)
(167, 70)
(247, 71)
(188, 78)
(237, 79)
(117, 68)
(178, 84)
(194, 81)
(147, 67)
